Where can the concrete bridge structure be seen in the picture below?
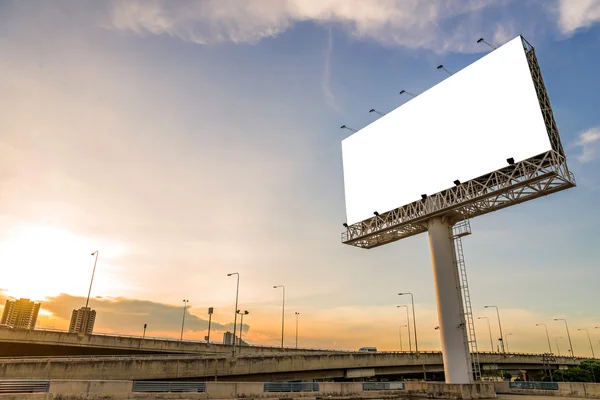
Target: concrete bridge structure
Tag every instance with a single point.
(272, 367)
(23, 342)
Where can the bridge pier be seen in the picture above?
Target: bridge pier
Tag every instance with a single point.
(451, 316)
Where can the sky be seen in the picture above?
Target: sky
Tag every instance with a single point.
(188, 140)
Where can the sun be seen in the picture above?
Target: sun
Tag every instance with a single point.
(41, 260)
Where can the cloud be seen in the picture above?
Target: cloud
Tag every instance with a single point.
(577, 14)
(433, 25)
(587, 142)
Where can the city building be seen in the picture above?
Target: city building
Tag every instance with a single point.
(228, 339)
(20, 313)
(82, 321)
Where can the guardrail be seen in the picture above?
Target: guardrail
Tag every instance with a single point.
(383, 386)
(534, 385)
(168, 387)
(24, 386)
(282, 387)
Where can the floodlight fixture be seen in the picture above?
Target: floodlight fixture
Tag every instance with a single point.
(423, 196)
(408, 93)
(375, 111)
(350, 129)
(444, 68)
(345, 225)
(482, 40)
(457, 182)
(510, 161)
(376, 213)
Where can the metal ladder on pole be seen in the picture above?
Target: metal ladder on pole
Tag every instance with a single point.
(463, 228)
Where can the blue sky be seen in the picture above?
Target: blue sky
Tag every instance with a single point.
(187, 140)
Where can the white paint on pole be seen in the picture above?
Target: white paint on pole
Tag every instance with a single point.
(453, 330)
(462, 128)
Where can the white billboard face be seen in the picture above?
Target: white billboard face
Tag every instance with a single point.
(462, 128)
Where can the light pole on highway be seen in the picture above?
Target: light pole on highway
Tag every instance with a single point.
(237, 291)
(282, 312)
(568, 334)
(241, 328)
(183, 319)
(297, 314)
(412, 300)
(506, 338)
(589, 339)
(557, 346)
(489, 330)
(408, 325)
(547, 336)
(499, 326)
(400, 333)
(87, 301)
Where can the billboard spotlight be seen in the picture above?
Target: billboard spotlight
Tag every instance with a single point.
(345, 225)
(350, 129)
(457, 182)
(408, 93)
(423, 196)
(481, 40)
(511, 161)
(442, 67)
(376, 213)
(375, 111)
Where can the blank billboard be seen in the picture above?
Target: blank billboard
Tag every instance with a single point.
(464, 127)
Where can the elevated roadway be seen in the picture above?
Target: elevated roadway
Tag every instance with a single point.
(308, 365)
(23, 342)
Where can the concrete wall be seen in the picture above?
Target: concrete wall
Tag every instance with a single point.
(482, 390)
(565, 389)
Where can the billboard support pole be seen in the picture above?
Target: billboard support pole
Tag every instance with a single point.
(455, 349)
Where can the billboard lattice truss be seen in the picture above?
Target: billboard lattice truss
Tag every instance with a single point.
(526, 180)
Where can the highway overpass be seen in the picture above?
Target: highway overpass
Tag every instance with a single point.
(300, 366)
(23, 342)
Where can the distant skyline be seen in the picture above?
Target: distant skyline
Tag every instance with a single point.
(188, 140)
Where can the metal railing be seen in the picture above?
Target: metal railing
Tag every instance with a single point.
(281, 387)
(534, 385)
(383, 386)
(24, 386)
(168, 387)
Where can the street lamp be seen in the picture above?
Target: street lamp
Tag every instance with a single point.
(499, 325)
(400, 333)
(568, 334)
(557, 346)
(412, 300)
(87, 301)
(506, 338)
(282, 312)
(237, 291)
(297, 313)
(589, 339)
(489, 330)
(241, 328)
(408, 327)
(547, 336)
(183, 319)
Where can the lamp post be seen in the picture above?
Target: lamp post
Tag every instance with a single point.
(499, 326)
(183, 319)
(241, 328)
(412, 300)
(568, 335)
(400, 334)
(144, 334)
(589, 339)
(489, 330)
(282, 312)
(87, 301)
(237, 291)
(210, 313)
(547, 336)
(297, 314)
(506, 338)
(408, 327)
(557, 346)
